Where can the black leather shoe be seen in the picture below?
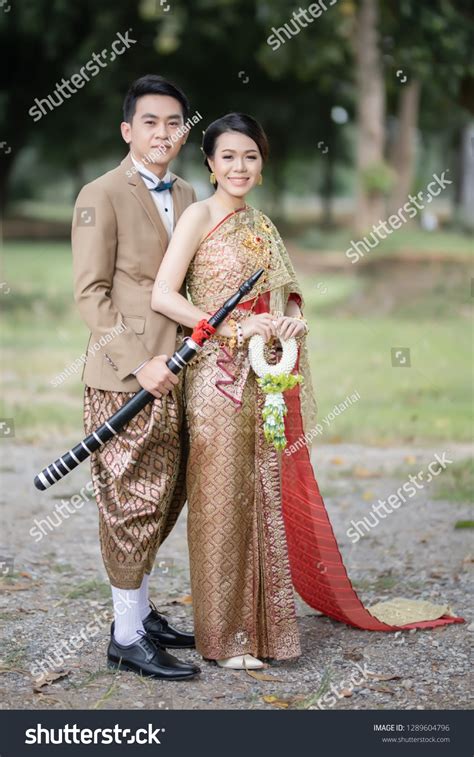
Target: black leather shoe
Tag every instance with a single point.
(149, 659)
(162, 633)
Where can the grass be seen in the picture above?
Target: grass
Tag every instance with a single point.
(411, 238)
(427, 402)
(453, 484)
(43, 211)
(457, 482)
(62, 568)
(323, 689)
(86, 588)
(91, 678)
(107, 695)
(13, 657)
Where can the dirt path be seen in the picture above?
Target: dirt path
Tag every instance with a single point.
(59, 586)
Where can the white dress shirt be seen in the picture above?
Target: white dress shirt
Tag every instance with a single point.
(163, 200)
(163, 203)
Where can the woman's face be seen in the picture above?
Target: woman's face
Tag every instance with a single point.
(236, 162)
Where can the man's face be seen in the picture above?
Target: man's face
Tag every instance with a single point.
(150, 135)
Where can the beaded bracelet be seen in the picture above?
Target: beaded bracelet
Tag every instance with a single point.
(231, 341)
(233, 338)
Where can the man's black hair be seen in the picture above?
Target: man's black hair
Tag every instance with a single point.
(151, 84)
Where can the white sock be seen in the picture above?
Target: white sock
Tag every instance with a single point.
(143, 599)
(128, 620)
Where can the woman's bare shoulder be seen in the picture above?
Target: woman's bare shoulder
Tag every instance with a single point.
(197, 214)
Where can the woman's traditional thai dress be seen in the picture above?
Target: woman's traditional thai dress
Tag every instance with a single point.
(257, 524)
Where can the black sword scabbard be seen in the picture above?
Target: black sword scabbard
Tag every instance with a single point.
(75, 456)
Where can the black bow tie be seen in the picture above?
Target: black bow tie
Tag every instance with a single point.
(162, 186)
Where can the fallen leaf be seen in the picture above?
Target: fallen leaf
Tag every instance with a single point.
(337, 460)
(186, 600)
(17, 587)
(270, 699)
(359, 472)
(48, 699)
(353, 654)
(50, 677)
(382, 689)
(262, 676)
(384, 677)
(410, 459)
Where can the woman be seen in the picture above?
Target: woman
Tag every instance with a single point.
(257, 525)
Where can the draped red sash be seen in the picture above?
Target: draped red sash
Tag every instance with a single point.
(317, 569)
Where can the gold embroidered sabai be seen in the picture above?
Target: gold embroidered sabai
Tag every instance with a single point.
(243, 596)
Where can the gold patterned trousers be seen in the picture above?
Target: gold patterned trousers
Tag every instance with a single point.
(139, 480)
(243, 599)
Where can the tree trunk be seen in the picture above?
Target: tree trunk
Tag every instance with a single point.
(466, 204)
(7, 160)
(273, 176)
(370, 112)
(327, 191)
(403, 152)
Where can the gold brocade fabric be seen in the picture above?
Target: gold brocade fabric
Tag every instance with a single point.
(244, 242)
(247, 527)
(243, 597)
(138, 479)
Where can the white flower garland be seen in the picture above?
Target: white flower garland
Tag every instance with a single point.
(274, 380)
(260, 365)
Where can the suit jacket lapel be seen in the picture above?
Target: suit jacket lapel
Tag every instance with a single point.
(178, 200)
(143, 196)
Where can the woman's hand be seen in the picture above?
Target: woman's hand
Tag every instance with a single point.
(262, 324)
(287, 327)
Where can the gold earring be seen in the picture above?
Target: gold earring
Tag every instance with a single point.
(212, 178)
(260, 180)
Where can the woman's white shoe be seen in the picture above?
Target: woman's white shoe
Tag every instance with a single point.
(241, 662)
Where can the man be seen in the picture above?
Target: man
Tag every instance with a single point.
(122, 224)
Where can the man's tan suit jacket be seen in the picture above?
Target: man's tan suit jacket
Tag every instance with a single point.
(118, 242)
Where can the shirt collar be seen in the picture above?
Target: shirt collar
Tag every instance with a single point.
(151, 181)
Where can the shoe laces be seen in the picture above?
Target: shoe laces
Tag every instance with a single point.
(147, 637)
(155, 608)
